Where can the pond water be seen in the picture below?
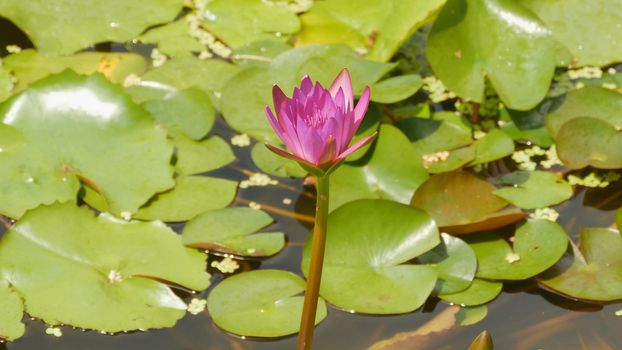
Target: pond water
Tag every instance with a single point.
(523, 317)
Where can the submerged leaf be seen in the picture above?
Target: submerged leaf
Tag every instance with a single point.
(260, 303)
(98, 272)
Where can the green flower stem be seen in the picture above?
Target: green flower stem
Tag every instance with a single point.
(307, 323)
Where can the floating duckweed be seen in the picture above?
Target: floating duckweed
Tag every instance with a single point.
(429, 159)
(610, 86)
(512, 257)
(586, 73)
(478, 134)
(158, 58)
(545, 213)
(524, 161)
(126, 215)
(611, 70)
(197, 306)
(579, 85)
(241, 140)
(203, 55)
(226, 265)
(196, 30)
(13, 49)
(114, 276)
(619, 312)
(131, 80)
(55, 331)
(287, 201)
(254, 205)
(594, 180)
(551, 158)
(436, 89)
(258, 179)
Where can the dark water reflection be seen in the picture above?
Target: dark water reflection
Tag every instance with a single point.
(524, 317)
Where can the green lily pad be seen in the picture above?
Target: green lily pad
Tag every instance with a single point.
(480, 292)
(74, 268)
(258, 53)
(591, 101)
(589, 141)
(500, 40)
(66, 26)
(173, 39)
(191, 196)
(188, 110)
(68, 122)
(321, 62)
(396, 89)
(230, 231)
(537, 136)
(495, 145)
(182, 73)
(195, 157)
(455, 160)
(11, 326)
(260, 303)
(240, 22)
(533, 189)
(583, 27)
(377, 28)
(391, 172)
(368, 245)
(538, 245)
(6, 83)
(443, 132)
(489, 222)
(457, 198)
(29, 65)
(274, 164)
(592, 271)
(456, 264)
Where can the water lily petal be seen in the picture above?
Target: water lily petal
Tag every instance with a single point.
(362, 142)
(361, 106)
(343, 81)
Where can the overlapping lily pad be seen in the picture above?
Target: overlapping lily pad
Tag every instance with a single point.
(501, 40)
(456, 264)
(77, 128)
(229, 231)
(101, 273)
(261, 303)
(11, 326)
(377, 28)
(369, 244)
(537, 245)
(66, 26)
(391, 172)
(589, 141)
(191, 196)
(533, 189)
(396, 89)
(592, 271)
(479, 292)
(29, 65)
(194, 157)
(461, 202)
(173, 39)
(240, 22)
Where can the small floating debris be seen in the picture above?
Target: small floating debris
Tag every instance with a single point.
(546, 214)
(55, 331)
(226, 265)
(287, 201)
(241, 140)
(429, 159)
(258, 179)
(512, 258)
(13, 49)
(254, 205)
(197, 306)
(618, 313)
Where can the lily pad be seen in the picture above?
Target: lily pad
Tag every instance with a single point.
(457, 198)
(500, 40)
(115, 268)
(195, 157)
(66, 26)
(492, 221)
(173, 39)
(391, 172)
(538, 245)
(443, 132)
(591, 101)
(533, 189)
(495, 145)
(321, 62)
(11, 326)
(585, 28)
(592, 271)
(29, 65)
(260, 303)
(240, 22)
(377, 28)
(456, 264)
(589, 141)
(396, 89)
(67, 123)
(274, 164)
(188, 110)
(230, 231)
(191, 196)
(368, 246)
(258, 53)
(479, 292)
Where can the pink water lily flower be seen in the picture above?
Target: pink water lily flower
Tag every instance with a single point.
(317, 124)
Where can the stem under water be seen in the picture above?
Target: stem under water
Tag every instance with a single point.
(307, 323)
